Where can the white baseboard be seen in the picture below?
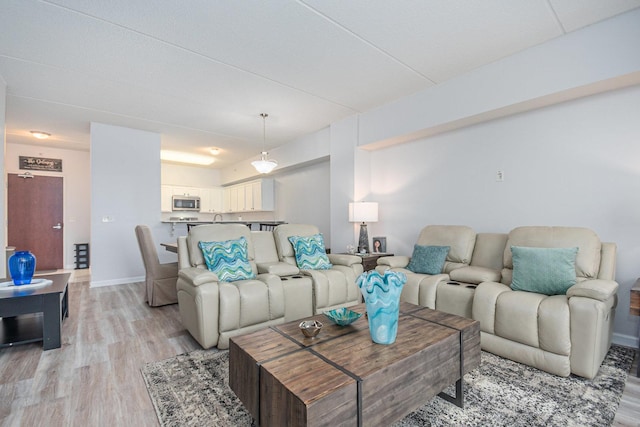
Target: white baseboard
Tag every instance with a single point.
(112, 282)
(625, 340)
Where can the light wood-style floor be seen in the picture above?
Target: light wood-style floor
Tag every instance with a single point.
(95, 380)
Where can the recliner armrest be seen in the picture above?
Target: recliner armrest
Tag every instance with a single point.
(197, 276)
(397, 261)
(278, 268)
(346, 260)
(598, 289)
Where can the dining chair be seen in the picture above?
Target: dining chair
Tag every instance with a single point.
(160, 280)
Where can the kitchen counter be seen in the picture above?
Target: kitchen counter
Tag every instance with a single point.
(192, 223)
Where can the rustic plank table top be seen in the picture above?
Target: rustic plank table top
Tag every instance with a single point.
(341, 376)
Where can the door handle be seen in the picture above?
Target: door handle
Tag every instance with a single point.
(58, 226)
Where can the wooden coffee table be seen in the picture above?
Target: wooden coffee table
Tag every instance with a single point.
(342, 377)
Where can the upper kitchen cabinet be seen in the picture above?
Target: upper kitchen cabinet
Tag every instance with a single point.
(186, 191)
(252, 196)
(211, 200)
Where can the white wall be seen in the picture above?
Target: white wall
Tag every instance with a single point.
(573, 164)
(125, 186)
(3, 192)
(302, 196)
(76, 175)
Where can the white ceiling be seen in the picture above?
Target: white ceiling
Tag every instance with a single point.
(200, 72)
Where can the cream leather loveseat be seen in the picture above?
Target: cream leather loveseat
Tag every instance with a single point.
(561, 334)
(213, 310)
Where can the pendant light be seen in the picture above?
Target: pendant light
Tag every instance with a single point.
(264, 165)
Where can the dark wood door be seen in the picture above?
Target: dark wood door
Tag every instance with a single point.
(34, 218)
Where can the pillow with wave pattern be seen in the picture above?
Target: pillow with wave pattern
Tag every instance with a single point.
(229, 259)
(310, 252)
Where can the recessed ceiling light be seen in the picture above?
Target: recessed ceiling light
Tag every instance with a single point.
(182, 157)
(214, 151)
(40, 135)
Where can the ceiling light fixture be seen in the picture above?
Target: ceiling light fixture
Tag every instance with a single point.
(214, 151)
(182, 157)
(40, 135)
(264, 165)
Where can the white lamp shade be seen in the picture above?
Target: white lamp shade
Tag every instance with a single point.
(363, 212)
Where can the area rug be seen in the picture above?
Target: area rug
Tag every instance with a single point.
(192, 390)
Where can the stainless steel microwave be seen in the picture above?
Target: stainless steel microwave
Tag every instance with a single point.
(185, 203)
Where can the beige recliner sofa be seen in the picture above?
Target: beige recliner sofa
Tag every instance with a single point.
(561, 334)
(214, 311)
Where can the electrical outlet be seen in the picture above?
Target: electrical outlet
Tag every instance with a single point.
(499, 176)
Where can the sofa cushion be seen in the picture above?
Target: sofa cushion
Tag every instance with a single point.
(548, 271)
(310, 252)
(228, 259)
(428, 259)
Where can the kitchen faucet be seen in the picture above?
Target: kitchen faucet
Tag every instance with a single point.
(215, 217)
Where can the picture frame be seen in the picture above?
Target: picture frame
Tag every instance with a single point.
(379, 245)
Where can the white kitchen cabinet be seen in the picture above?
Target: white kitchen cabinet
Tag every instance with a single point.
(252, 196)
(186, 191)
(211, 200)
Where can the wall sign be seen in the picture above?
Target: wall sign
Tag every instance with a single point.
(41, 164)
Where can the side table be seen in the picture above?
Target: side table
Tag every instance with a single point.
(634, 308)
(369, 261)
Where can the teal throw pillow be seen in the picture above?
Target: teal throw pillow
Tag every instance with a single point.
(310, 252)
(428, 259)
(548, 271)
(229, 259)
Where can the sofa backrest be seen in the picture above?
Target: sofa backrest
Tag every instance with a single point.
(264, 247)
(588, 243)
(281, 236)
(217, 233)
(461, 240)
(488, 251)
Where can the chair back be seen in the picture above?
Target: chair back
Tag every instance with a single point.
(460, 239)
(147, 249)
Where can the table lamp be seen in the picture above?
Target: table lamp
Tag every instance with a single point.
(363, 212)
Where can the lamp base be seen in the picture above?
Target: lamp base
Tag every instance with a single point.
(363, 242)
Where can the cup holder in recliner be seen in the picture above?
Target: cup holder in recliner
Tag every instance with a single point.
(465, 285)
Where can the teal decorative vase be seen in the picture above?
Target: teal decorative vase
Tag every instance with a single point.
(22, 265)
(382, 298)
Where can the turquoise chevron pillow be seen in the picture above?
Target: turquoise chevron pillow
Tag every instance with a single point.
(428, 259)
(548, 271)
(310, 252)
(229, 260)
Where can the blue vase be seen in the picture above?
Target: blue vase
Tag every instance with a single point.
(22, 264)
(382, 298)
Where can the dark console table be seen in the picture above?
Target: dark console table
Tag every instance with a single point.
(33, 315)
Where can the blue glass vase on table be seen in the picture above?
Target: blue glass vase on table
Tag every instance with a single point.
(22, 265)
(382, 297)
